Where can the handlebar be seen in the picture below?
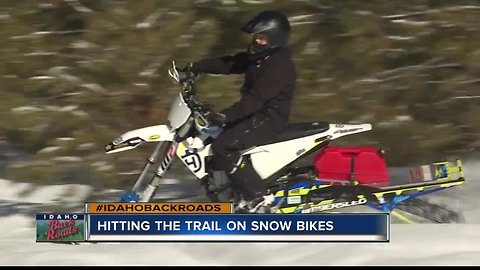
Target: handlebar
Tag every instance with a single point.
(186, 83)
(190, 97)
(188, 90)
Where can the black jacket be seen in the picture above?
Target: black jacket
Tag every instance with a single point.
(268, 86)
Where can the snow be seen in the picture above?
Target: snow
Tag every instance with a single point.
(411, 244)
(27, 193)
(420, 244)
(12, 191)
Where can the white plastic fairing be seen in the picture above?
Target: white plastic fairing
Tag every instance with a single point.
(269, 159)
(134, 138)
(150, 134)
(275, 156)
(340, 130)
(193, 158)
(179, 113)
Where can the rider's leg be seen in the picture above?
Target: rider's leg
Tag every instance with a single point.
(226, 152)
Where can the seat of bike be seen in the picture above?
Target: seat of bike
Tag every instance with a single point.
(298, 130)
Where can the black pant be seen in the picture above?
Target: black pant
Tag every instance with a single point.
(252, 131)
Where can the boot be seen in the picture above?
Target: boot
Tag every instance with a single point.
(219, 187)
(245, 176)
(254, 188)
(261, 204)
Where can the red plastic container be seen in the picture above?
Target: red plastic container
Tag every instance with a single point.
(335, 162)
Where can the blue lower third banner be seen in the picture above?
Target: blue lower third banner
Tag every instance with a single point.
(238, 227)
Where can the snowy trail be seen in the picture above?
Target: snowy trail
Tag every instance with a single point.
(420, 244)
(411, 244)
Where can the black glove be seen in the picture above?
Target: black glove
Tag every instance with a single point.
(187, 73)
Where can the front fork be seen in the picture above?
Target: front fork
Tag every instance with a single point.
(167, 149)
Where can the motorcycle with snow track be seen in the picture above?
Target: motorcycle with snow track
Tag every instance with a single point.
(304, 172)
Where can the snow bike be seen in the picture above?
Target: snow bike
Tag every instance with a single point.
(337, 177)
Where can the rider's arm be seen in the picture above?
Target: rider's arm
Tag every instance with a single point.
(278, 83)
(235, 64)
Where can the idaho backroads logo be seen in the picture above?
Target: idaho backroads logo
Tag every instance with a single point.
(60, 227)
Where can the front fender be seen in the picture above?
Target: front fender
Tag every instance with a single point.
(131, 139)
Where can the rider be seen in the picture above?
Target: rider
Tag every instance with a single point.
(264, 107)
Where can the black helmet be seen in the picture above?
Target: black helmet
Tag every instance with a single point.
(271, 24)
